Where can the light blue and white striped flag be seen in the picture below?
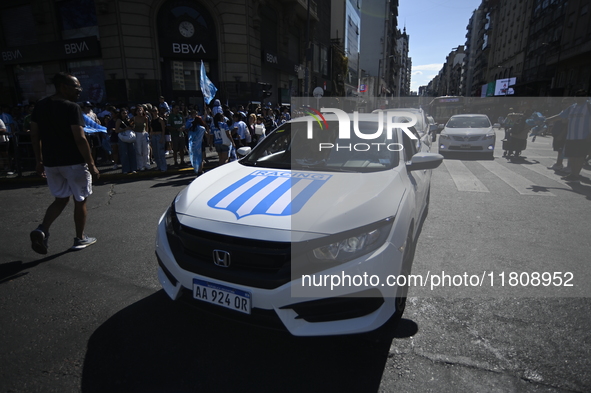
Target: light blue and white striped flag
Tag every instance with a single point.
(207, 87)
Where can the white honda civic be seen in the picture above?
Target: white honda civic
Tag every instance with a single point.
(313, 231)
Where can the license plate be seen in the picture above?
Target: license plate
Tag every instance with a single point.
(465, 146)
(221, 295)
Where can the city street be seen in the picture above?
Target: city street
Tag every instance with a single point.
(97, 320)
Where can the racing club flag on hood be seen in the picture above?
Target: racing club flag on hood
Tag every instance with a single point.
(207, 87)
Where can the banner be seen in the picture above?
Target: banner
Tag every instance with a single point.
(207, 87)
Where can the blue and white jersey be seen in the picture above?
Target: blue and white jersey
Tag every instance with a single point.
(579, 120)
(8, 122)
(217, 130)
(241, 128)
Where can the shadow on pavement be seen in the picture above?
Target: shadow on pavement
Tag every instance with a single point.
(12, 270)
(156, 345)
(182, 180)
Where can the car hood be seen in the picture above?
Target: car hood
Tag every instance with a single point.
(467, 131)
(286, 205)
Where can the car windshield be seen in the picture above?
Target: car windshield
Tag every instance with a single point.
(288, 147)
(468, 122)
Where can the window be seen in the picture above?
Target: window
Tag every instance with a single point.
(316, 58)
(31, 82)
(77, 18)
(186, 74)
(91, 75)
(19, 26)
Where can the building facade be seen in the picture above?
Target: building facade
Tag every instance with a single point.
(134, 51)
(542, 46)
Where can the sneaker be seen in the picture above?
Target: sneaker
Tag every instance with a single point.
(115, 166)
(557, 167)
(39, 241)
(86, 241)
(566, 170)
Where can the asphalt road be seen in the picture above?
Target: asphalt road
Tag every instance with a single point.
(96, 320)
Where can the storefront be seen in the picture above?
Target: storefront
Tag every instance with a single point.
(31, 64)
(187, 35)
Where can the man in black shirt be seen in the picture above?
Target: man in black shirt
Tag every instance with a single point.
(63, 157)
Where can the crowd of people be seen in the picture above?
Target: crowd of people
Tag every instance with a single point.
(570, 129)
(161, 130)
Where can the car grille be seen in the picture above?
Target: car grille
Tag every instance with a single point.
(257, 263)
(467, 138)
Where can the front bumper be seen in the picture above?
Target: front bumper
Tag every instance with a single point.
(475, 144)
(278, 308)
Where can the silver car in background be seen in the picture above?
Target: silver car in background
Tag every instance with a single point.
(472, 133)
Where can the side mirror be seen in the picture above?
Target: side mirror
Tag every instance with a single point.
(244, 150)
(433, 128)
(423, 161)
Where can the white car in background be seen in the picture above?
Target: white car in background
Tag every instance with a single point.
(240, 240)
(470, 133)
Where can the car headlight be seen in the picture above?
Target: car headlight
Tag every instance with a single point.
(171, 221)
(354, 243)
(490, 135)
(443, 135)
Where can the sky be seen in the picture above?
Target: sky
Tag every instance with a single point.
(435, 27)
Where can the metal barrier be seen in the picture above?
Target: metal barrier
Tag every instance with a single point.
(24, 156)
(17, 155)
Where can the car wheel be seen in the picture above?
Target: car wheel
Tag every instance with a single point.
(407, 260)
(386, 332)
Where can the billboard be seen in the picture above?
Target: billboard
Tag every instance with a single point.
(502, 86)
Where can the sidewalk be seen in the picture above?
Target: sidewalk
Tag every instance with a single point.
(108, 173)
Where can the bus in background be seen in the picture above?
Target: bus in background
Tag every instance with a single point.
(442, 108)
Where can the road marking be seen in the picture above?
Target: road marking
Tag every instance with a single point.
(464, 179)
(544, 171)
(519, 183)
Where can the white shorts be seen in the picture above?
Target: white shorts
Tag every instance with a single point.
(64, 181)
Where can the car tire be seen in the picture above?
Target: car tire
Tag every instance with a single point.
(407, 260)
(387, 331)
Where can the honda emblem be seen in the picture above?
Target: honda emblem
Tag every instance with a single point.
(221, 258)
